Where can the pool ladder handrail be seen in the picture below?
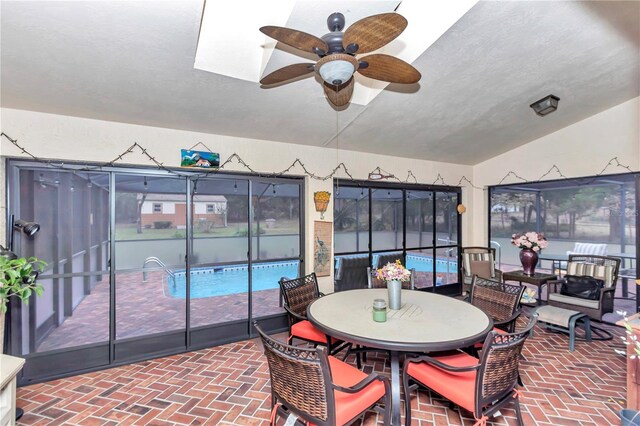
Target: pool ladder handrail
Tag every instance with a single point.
(157, 261)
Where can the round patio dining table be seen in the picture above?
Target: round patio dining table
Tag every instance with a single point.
(426, 322)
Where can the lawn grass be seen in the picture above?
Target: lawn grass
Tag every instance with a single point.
(128, 231)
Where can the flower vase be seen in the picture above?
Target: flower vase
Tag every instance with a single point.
(529, 260)
(394, 287)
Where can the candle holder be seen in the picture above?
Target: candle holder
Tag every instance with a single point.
(379, 310)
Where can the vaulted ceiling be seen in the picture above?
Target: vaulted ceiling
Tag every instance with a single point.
(134, 62)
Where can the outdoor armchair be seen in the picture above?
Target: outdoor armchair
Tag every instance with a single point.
(383, 259)
(481, 386)
(375, 282)
(605, 268)
(583, 248)
(480, 261)
(589, 248)
(351, 273)
(298, 293)
(318, 388)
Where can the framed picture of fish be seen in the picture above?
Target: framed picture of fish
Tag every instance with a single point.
(199, 159)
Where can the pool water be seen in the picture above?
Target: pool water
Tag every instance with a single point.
(425, 264)
(210, 282)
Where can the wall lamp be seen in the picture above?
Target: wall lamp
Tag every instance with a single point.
(29, 228)
(546, 105)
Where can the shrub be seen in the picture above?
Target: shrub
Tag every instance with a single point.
(162, 224)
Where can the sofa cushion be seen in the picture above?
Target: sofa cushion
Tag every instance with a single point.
(561, 298)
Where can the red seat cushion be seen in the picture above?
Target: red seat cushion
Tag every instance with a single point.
(350, 405)
(305, 330)
(456, 387)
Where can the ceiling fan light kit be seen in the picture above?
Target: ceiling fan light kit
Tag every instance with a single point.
(337, 50)
(337, 69)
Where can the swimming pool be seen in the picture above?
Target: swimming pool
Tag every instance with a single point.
(425, 263)
(210, 282)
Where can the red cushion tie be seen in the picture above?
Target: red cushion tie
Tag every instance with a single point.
(482, 421)
(274, 410)
(516, 393)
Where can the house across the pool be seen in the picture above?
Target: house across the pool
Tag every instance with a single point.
(169, 210)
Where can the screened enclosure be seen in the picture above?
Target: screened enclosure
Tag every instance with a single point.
(143, 263)
(593, 213)
(417, 224)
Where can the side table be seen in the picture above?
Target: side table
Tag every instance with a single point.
(538, 279)
(10, 366)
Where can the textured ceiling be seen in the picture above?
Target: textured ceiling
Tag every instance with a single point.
(134, 62)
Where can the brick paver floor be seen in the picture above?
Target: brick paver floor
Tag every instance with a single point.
(229, 385)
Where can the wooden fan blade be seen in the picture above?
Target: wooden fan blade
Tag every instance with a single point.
(294, 38)
(375, 31)
(339, 95)
(287, 73)
(390, 69)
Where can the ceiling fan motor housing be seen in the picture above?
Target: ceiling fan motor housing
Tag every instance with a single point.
(334, 42)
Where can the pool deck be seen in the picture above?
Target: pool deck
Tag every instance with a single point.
(143, 309)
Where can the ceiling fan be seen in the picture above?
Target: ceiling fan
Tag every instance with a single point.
(337, 50)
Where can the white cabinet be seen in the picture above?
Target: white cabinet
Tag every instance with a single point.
(10, 366)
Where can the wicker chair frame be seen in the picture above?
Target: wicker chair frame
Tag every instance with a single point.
(499, 300)
(301, 382)
(298, 294)
(606, 300)
(496, 377)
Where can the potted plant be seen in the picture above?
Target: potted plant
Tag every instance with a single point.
(18, 276)
(529, 243)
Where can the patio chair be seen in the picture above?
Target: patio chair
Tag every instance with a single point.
(582, 248)
(383, 259)
(480, 261)
(481, 386)
(588, 248)
(320, 389)
(605, 268)
(351, 273)
(375, 282)
(298, 293)
(499, 300)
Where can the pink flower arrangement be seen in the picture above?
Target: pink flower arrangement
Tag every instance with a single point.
(393, 271)
(530, 240)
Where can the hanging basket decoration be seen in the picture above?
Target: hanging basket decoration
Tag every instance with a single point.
(321, 199)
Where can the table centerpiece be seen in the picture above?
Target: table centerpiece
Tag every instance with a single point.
(394, 274)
